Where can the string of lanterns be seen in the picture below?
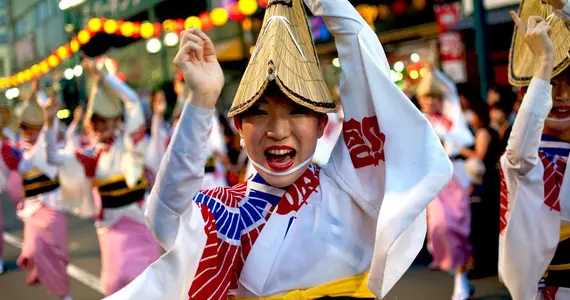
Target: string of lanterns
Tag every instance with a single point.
(236, 11)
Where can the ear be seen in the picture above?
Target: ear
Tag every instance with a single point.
(323, 120)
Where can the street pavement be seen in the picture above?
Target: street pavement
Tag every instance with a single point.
(417, 284)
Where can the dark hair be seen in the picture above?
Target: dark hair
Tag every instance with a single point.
(481, 110)
(504, 105)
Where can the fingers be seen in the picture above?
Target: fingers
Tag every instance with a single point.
(518, 22)
(190, 51)
(532, 22)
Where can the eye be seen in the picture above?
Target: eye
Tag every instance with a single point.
(300, 110)
(256, 111)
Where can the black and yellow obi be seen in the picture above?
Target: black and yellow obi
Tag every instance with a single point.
(115, 193)
(210, 166)
(558, 274)
(36, 182)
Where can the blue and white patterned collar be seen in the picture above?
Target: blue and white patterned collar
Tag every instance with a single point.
(553, 146)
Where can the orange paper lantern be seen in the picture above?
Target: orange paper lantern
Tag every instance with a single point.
(169, 25)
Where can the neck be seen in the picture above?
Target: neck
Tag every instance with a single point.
(562, 135)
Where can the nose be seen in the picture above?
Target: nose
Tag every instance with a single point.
(563, 92)
(279, 127)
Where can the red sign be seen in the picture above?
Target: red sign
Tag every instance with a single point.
(447, 15)
(451, 46)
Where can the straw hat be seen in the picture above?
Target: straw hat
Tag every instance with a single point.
(521, 59)
(103, 102)
(32, 114)
(286, 55)
(429, 85)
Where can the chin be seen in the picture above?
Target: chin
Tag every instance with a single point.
(557, 125)
(281, 181)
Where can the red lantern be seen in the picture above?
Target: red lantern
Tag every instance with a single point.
(179, 26)
(263, 3)
(206, 21)
(234, 12)
(157, 29)
(399, 7)
(137, 29)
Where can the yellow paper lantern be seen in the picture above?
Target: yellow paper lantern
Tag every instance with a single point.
(127, 29)
(74, 45)
(53, 61)
(219, 16)
(36, 70)
(83, 37)
(20, 77)
(28, 74)
(193, 22)
(169, 25)
(110, 26)
(247, 7)
(62, 52)
(44, 67)
(147, 30)
(94, 25)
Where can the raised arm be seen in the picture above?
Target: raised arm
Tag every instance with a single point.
(158, 137)
(522, 148)
(182, 169)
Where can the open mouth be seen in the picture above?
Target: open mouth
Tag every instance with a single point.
(280, 158)
(560, 112)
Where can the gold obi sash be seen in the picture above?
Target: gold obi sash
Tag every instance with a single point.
(115, 193)
(36, 182)
(352, 287)
(558, 273)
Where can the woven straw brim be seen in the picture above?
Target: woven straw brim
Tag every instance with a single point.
(297, 73)
(32, 114)
(104, 103)
(522, 60)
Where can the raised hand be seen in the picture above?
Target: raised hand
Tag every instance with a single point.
(50, 111)
(159, 106)
(197, 61)
(537, 38)
(536, 35)
(77, 114)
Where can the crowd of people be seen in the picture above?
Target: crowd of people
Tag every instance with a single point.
(294, 194)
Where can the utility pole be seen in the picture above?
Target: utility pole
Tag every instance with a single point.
(482, 46)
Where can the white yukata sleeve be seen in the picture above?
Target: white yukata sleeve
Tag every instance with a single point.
(157, 144)
(174, 218)
(388, 158)
(529, 229)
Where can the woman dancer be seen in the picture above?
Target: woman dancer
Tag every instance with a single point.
(113, 163)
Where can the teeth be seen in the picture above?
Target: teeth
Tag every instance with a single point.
(279, 152)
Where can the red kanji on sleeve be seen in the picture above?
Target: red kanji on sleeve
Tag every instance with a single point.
(139, 134)
(364, 153)
(11, 156)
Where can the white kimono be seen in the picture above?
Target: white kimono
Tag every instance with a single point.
(530, 218)
(362, 212)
